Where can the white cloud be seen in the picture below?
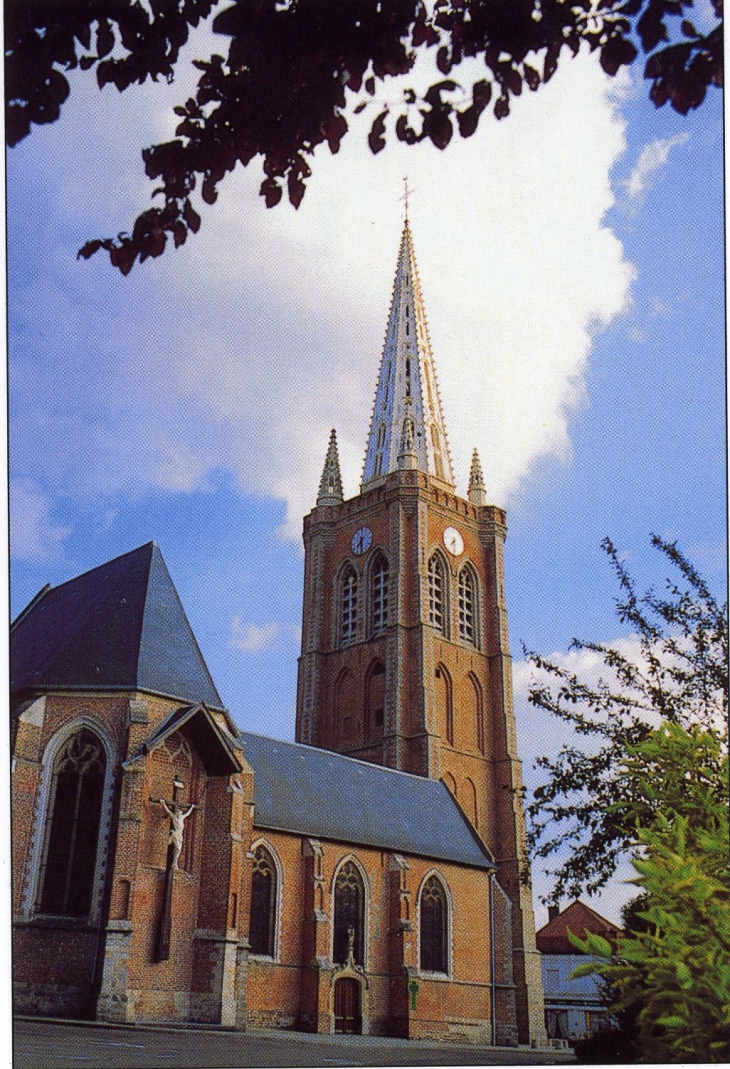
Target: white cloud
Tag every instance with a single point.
(651, 160)
(255, 638)
(242, 349)
(34, 535)
(252, 638)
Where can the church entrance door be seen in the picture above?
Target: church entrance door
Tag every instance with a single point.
(348, 1017)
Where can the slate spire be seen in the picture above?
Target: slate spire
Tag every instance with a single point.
(330, 485)
(407, 385)
(477, 489)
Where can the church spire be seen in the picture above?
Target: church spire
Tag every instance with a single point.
(330, 485)
(477, 490)
(407, 386)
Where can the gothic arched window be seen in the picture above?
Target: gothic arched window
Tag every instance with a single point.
(348, 617)
(436, 594)
(349, 921)
(379, 594)
(467, 606)
(77, 792)
(375, 699)
(434, 921)
(262, 926)
(444, 703)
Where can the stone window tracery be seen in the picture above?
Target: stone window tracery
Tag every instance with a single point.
(349, 916)
(74, 817)
(262, 925)
(434, 924)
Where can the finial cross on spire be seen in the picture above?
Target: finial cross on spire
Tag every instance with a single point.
(406, 193)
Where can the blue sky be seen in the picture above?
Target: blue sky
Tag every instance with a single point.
(571, 259)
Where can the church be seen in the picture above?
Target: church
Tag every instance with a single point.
(367, 878)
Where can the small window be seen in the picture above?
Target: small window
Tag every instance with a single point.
(434, 927)
(263, 903)
(348, 621)
(349, 920)
(467, 606)
(74, 817)
(436, 614)
(380, 576)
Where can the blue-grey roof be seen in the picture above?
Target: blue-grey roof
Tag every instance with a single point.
(328, 796)
(118, 626)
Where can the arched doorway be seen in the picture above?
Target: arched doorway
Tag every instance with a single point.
(348, 1010)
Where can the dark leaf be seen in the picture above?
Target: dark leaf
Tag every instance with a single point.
(443, 62)
(271, 191)
(437, 125)
(376, 138)
(617, 52)
(191, 217)
(370, 86)
(296, 189)
(468, 120)
(501, 107)
(104, 38)
(89, 248)
(208, 191)
(531, 77)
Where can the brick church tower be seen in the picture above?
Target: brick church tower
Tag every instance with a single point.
(405, 655)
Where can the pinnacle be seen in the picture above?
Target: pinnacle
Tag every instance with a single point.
(330, 485)
(407, 386)
(477, 490)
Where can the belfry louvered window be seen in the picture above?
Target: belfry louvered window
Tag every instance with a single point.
(379, 590)
(348, 620)
(436, 594)
(467, 606)
(263, 903)
(434, 927)
(73, 833)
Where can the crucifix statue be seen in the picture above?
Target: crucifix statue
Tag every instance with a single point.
(178, 815)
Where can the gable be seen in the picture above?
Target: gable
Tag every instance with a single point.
(578, 918)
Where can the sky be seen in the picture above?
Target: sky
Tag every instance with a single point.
(571, 260)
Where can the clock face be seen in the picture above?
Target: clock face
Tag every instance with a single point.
(362, 540)
(453, 541)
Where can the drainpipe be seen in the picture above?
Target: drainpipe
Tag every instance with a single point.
(492, 979)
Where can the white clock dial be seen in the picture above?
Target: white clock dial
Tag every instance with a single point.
(362, 540)
(453, 541)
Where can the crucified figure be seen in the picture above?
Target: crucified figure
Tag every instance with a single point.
(177, 817)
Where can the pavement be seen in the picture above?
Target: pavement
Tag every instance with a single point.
(48, 1043)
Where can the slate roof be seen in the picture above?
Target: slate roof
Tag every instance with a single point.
(315, 792)
(120, 626)
(552, 938)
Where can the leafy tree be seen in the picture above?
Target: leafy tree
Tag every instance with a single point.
(672, 968)
(295, 69)
(678, 676)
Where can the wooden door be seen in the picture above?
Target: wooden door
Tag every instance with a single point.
(348, 1019)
